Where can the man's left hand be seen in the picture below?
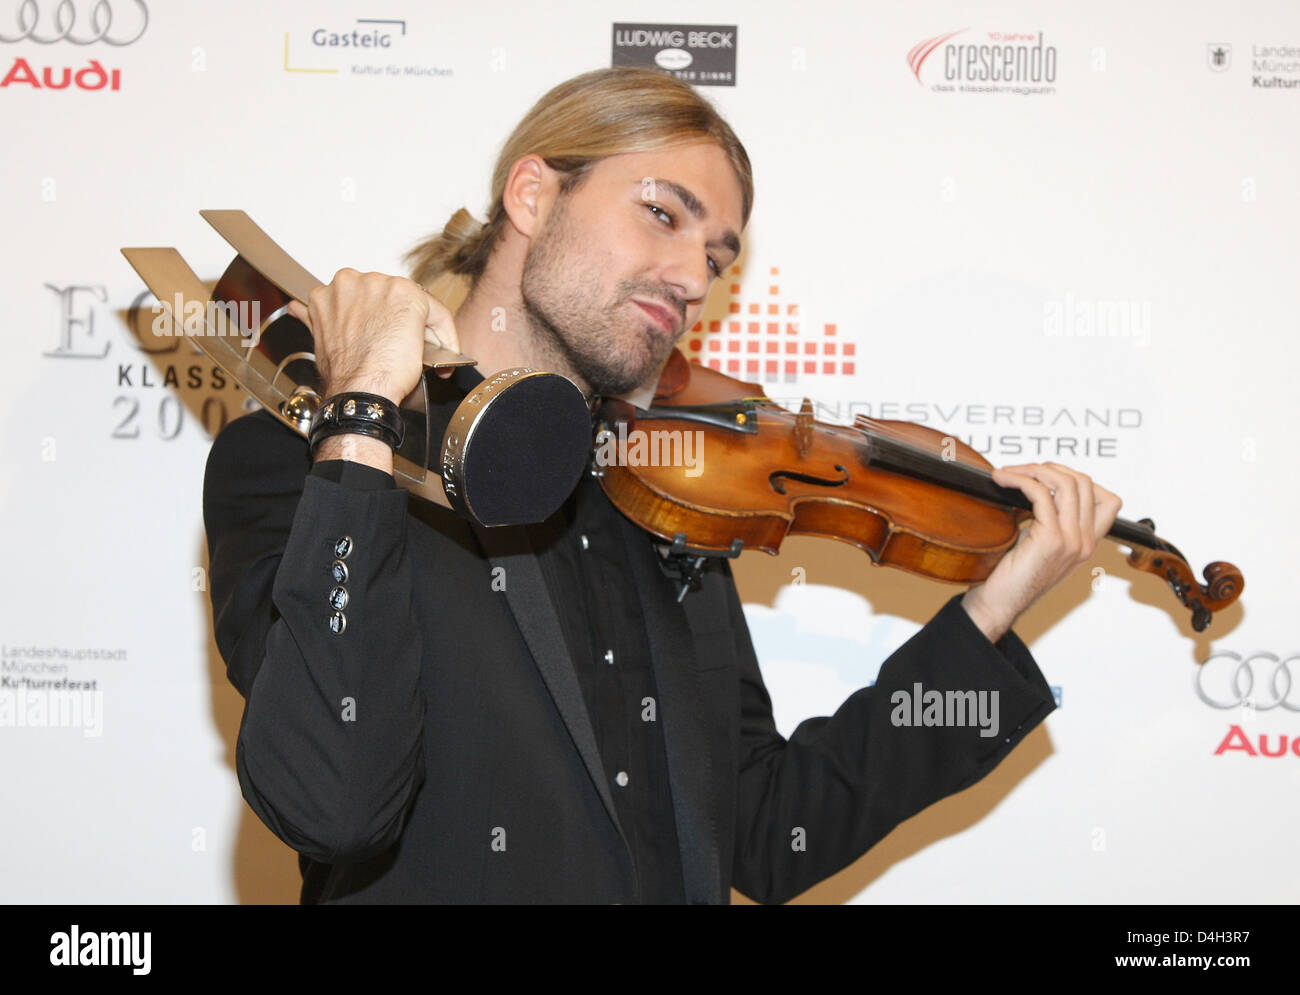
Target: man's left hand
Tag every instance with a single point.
(1071, 513)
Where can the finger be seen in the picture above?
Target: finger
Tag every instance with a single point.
(1087, 508)
(440, 330)
(1046, 514)
(430, 337)
(299, 310)
(1063, 489)
(1088, 515)
(1107, 510)
(440, 324)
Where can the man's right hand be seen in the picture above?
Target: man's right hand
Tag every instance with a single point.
(369, 330)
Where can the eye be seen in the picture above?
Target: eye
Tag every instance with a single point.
(663, 214)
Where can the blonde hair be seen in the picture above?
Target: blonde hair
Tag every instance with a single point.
(583, 120)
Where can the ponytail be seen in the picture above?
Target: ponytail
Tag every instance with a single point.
(460, 251)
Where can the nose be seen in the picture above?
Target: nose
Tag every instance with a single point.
(687, 271)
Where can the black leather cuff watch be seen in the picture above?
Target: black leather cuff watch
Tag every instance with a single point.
(357, 413)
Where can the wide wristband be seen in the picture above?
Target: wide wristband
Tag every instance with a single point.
(357, 413)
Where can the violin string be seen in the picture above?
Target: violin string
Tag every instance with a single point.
(978, 481)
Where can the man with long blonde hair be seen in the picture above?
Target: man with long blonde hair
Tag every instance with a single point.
(564, 730)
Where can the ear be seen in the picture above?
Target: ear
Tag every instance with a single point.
(530, 190)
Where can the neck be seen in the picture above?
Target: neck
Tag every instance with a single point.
(493, 328)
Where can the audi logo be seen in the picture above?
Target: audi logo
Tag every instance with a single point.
(31, 25)
(1237, 682)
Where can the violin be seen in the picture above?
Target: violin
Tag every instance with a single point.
(906, 494)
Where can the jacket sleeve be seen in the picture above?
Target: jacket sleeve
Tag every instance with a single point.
(810, 806)
(329, 753)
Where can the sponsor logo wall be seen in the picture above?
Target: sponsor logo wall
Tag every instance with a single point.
(1104, 278)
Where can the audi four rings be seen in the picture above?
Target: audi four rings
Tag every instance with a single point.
(1243, 680)
(66, 28)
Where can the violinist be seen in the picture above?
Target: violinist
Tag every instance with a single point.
(439, 712)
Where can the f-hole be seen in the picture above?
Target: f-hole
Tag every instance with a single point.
(777, 480)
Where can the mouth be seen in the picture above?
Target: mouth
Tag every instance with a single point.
(662, 316)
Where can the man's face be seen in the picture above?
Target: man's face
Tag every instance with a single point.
(622, 264)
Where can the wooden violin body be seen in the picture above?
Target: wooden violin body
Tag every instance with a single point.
(714, 467)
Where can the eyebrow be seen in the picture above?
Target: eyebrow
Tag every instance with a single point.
(692, 203)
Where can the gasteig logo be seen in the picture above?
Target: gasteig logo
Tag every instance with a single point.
(703, 54)
(1019, 63)
(77, 23)
(351, 48)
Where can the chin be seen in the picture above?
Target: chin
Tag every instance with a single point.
(643, 353)
(612, 381)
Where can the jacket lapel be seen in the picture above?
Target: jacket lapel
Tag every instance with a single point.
(690, 769)
(535, 614)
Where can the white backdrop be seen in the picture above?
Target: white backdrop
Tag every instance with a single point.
(1097, 268)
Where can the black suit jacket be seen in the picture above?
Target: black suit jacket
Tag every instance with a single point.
(439, 749)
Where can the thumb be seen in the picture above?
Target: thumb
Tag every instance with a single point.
(440, 334)
(298, 310)
(439, 327)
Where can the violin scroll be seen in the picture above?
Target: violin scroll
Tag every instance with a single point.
(1223, 581)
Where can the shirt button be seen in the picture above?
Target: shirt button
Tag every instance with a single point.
(609, 656)
(621, 779)
(586, 543)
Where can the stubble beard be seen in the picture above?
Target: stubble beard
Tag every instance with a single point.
(606, 348)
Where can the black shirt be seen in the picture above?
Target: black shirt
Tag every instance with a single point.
(584, 560)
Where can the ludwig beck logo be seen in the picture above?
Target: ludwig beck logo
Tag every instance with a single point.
(701, 54)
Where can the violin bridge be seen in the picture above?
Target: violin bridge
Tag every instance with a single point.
(803, 429)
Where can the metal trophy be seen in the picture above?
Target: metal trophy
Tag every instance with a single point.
(512, 452)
